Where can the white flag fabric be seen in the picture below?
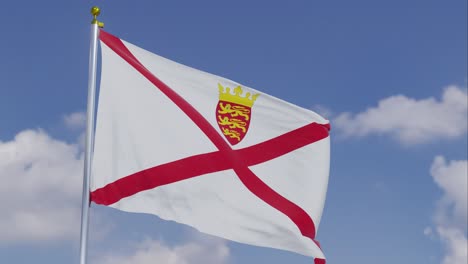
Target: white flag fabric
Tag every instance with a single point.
(205, 151)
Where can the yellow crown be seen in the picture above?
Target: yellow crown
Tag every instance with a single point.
(226, 95)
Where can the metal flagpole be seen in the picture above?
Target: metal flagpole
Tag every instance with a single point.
(95, 24)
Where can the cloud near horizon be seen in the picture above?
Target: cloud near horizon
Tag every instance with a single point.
(450, 217)
(41, 180)
(409, 120)
(198, 251)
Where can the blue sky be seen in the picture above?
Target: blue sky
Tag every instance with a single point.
(390, 75)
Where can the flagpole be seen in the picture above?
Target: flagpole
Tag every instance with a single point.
(95, 25)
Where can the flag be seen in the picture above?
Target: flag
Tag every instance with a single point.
(205, 151)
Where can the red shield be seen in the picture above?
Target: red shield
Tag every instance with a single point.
(233, 120)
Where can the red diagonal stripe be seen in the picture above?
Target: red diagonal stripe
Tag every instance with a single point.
(160, 175)
(275, 200)
(283, 144)
(252, 182)
(118, 47)
(207, 163)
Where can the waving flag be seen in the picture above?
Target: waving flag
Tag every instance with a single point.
(208, 152)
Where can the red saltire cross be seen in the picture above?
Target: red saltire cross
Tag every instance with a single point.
(223, 159)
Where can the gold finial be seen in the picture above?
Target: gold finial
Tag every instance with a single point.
(95, 11)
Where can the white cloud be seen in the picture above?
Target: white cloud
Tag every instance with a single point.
(75, 120)
(409, 120)
(40, 190)
(452, 178)
(451, 211)
(207, 251)
(456, 245)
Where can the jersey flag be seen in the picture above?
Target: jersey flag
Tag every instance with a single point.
(205, 151)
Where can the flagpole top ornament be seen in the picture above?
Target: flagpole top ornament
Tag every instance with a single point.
(96, 11)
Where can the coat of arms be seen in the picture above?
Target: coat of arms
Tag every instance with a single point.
(233, 112)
